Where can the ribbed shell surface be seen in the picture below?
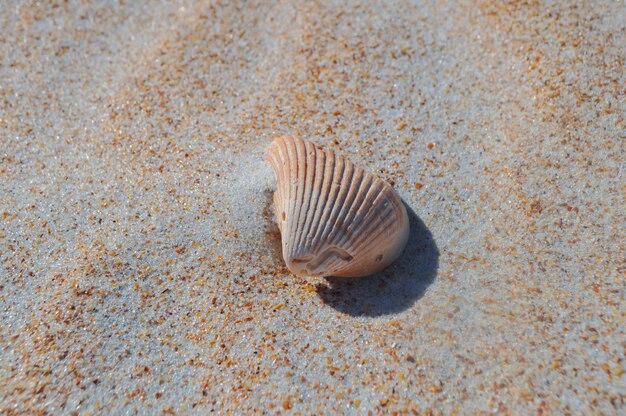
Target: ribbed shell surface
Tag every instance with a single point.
(335, 219)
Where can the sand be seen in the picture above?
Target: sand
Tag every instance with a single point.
(140, 269)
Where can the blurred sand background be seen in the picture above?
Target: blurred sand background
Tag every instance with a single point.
(139, 269)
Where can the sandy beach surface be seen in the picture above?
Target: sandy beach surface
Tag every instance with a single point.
(140, 268)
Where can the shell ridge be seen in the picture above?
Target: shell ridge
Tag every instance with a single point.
(309, 183)
(353, 199)
(333, 191)
(362, 213)
(318, 178)
(330, 166)
(365, 212)
(335, 210)
(283, 158)
(301, 169)
(339, 225)
(290, 146)
(378, 221)
(372, 210)
(368, 247)
(278, 198)
(284, 186)
(276, 159)
(359, 207)
(340, 234)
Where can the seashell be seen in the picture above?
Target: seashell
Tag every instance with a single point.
(335, 219)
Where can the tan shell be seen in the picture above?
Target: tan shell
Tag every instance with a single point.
(335, 219)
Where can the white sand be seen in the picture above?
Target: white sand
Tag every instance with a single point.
(139, 269)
